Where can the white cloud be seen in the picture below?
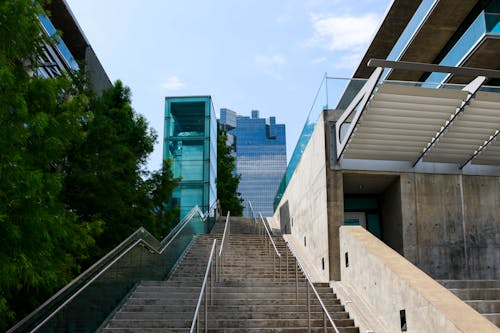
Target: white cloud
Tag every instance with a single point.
(270, 65)
(173, 83)
(343, 33)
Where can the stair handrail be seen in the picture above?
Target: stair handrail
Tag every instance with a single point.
(67, 293)
(311, 285)
(208, 273)
(276, 252)
(226, 234)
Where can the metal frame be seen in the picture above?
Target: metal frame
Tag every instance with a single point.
(418, 66)
(219, 263)
(205, 285)
(82, 281)
(357, 105)
(276, 252)
(310, 285)
(472, 88)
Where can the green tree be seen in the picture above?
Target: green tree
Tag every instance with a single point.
(105, 172)
(42, 241)
(162, 185)
(71, 167)
(227, 181)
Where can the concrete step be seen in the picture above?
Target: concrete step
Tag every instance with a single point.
(224, 323)
(271, 308)
(220, 313)
(470, 284)
(477, 294)
(248, 296)
(232, 330)
(493, 317)
(484, 306)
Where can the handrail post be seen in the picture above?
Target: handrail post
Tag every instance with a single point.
(206, 311)
(274, 266)
(308, 309)
(324, 322)
(296, 281)
(286, 255)
(280, 269)
(212, 282)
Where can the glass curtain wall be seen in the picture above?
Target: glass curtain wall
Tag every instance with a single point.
(190, 142)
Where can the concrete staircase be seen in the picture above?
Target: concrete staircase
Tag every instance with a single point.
(482, 295)
(248, 298)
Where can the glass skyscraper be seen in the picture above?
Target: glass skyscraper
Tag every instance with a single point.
(190, 140)
(260, 148)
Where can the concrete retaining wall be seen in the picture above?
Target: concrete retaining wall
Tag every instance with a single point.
(388, 283)
(306, 197)
(451, 225)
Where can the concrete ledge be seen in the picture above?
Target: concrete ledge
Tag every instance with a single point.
(388, 283)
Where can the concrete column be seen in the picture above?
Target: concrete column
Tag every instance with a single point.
(335, 207)
(409, 217)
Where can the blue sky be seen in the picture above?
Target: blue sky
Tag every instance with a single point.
(248, 55)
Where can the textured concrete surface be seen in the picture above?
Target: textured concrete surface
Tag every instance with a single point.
(389, 283)
(307, 199)
(451, 225)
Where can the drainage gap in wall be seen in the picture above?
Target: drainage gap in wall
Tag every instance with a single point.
(402, 317)
(323, 263)
(305, 243)
(346, 259)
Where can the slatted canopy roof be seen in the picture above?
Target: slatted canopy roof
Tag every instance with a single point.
(414, 123)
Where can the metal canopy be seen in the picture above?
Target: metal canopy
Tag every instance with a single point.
(469, 131)
(401, 120)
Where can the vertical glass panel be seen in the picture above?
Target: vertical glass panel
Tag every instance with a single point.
(187, 119)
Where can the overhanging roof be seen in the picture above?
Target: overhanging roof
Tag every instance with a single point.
(412, 123)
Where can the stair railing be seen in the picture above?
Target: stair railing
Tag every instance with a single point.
(51, 311)
(309, 286)
(208, 283)
(220, 260)
(257, 226)
(276, 253)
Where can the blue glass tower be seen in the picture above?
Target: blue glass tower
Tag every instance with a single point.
(260, 147)
(190, 140)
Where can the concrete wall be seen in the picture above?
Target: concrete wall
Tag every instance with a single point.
(451, 225)
(388, 283)
(307, 200)
(392, 217)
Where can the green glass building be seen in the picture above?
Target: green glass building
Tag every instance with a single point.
(190, 140)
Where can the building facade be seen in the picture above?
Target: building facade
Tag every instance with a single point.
(408, 149)
(71, 50)
(190, 141)
(260, 148)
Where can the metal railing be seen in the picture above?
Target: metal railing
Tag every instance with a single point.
(276, 252)
(139, 257)
(208, 281)
(309, 286)
(220, 261)
(254, 217)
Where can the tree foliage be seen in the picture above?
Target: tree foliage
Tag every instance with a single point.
(42, 241)
(227, 181)
(72, 178)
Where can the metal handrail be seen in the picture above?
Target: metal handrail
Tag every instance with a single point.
(82, 281)
(311, 285)
(254, 217)
(276, 252)
(196, 316)
(220, 261)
